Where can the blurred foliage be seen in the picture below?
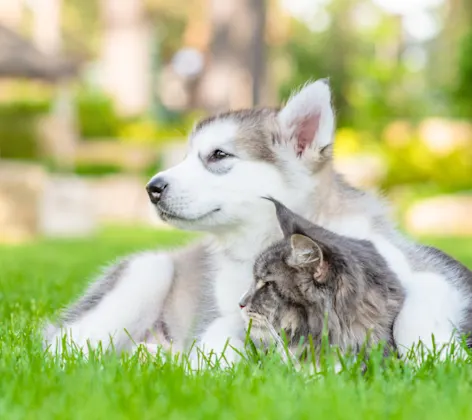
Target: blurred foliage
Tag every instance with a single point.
(415, 164)
(98, 120)
(96, 116)
(141, 130)
(81, 17)
(462, 93)
(168, 17)
(18, 135)
(351, 142)
(375, 84)
(147, 130)
(170, 28)
(92, 169)
(324, 54)
(101, 169)
(96, 169)
(371, 85)
(363, 50)
(411, 162)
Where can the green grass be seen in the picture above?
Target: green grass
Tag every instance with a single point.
(37, 279)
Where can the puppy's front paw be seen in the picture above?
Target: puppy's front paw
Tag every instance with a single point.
(146, 351)
(206, 357)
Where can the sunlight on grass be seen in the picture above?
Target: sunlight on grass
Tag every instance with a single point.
(37, 279)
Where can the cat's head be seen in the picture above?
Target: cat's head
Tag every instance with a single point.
(313, 271)
(290, 278)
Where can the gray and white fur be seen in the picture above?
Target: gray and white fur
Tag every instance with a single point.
(315, 283)
(233, 159)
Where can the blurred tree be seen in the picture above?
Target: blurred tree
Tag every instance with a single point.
(47, 25)
(360, 49)
(81, 26)
(462, 89)
(170, 19)
(235, 71)
(126, 54)
(328, 53)
(11, 13)
(444, 53)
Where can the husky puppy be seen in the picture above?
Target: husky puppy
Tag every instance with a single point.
(315, 282)
(233, 159)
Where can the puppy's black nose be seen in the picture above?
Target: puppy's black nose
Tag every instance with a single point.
(156, 188)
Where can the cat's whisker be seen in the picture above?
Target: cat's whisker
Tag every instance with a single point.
(258, 318)
(280, 345)
(273, 332)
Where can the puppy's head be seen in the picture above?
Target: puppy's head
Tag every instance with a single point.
(235, 158)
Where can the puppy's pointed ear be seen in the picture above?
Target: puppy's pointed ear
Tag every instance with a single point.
(307, 119)
(306, 253)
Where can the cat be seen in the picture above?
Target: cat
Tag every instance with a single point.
(316, 282)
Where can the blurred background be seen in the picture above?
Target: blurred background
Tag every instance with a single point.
(97, 95)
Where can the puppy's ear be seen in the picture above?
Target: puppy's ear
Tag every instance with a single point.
(306, 253)
(307, 119)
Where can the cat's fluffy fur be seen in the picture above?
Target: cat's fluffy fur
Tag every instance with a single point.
(315, 281)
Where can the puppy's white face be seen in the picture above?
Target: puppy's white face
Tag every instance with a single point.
(233, 160)
(218, 184)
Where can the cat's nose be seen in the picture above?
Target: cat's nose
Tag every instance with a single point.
(243, 301)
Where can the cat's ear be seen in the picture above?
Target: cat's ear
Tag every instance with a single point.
(306, 253)
(307, 119)
(288, 220)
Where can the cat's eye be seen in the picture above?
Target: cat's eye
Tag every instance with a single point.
(259, 285)
(262, 283)
(218, 155)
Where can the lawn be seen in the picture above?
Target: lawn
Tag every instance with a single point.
(36, 279)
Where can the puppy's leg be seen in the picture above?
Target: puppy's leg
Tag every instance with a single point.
(221, 343)
(119, 308)
(428, 320)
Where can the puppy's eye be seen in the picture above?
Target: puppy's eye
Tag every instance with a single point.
(218, 155)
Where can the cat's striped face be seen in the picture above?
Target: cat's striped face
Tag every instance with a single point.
(281, 291)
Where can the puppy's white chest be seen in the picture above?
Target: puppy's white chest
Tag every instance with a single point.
(232, 280)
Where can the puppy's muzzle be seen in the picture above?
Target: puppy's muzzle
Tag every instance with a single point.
(156, 188)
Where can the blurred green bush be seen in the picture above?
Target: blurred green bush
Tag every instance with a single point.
(18, 136)
(83, 168)
(416, 165)
(96, 169)
(462, 90)
(96, 116)
(98, 120)
(416, 158)
(432, 158)
(146, 130)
